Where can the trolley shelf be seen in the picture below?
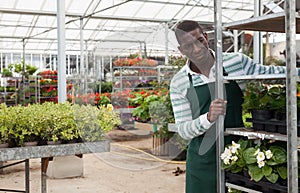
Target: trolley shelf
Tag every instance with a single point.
(257, 77)
(274, 22)
(257, 134)
(241, 188)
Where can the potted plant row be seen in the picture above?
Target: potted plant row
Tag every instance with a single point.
(267, 105)
(256, 164)
(49, 121)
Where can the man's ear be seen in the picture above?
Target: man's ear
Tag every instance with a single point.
(206, 36)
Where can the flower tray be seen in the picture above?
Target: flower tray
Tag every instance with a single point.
(262, 186)
(271, 125)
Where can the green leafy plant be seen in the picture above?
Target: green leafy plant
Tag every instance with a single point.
(246, 123)
(178, 61)
(92, 123)
(6, 73)
(232, 190)
(5, 130)
(278, 94)
(56, 122)
(18, 68)
(141, 112)
(24, 127)
(262, 159)
(103, 100)
(256, 97)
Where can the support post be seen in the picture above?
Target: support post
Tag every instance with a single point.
(290, 30)
(44, 164)
(27, 187)
(219, 92)
(166, 44)
(81, 57)
(86, 72)
(62, 85)
(236, 40)
(257, 39)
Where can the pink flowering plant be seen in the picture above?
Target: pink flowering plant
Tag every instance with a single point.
(260, 158)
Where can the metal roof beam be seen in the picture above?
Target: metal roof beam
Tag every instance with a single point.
(73, 28)
(77, 15)
(74, 40)
(192, 5)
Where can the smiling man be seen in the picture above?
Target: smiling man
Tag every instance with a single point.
(195, 106)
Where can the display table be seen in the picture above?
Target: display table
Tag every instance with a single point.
(45, 152)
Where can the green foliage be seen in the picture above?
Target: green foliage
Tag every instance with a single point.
(256, 97)
(92, 123)
(142, 111)
(232, 190)
(18, 68)
(104, 100)
(6, 73)
(249, 155)
(5, 125)
(264, 159)
(87, 122)
(247, 124)
(278, 95)
(55, 121)
(106, 87)
(178, 61)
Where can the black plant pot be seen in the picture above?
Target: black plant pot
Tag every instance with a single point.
(258, 126)
(281, 116)
(262, 114)
(271, 128)
(281, 129)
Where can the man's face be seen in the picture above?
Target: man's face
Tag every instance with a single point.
(194, 45)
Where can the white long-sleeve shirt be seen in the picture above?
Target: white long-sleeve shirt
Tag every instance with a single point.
(235, 64)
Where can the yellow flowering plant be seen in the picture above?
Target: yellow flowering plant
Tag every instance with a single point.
(261, 158)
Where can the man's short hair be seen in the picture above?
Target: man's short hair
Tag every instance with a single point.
(186, 26)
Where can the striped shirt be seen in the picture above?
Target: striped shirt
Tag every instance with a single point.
(235, 64)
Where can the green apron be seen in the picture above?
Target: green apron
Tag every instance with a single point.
(201, 169)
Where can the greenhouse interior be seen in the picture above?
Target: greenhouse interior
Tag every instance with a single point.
(93, 78)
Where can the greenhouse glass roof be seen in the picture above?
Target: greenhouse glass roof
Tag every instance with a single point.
(109, 26)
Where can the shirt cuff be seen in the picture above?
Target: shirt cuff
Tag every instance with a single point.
(204, 122)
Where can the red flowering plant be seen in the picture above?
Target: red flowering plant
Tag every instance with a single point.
(48, 74)
(48, 81)
(146, 103)
(50, 91)
(135, 62)
(121, 99)
(90, 98)
(103, 99)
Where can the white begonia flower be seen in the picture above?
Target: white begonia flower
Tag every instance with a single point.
(260, 157)
(226, 154)
(226, 161)
(269, 154)
(257, 151)
(234, 158)
(234, 147)
(261, 164)
(223, 156)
